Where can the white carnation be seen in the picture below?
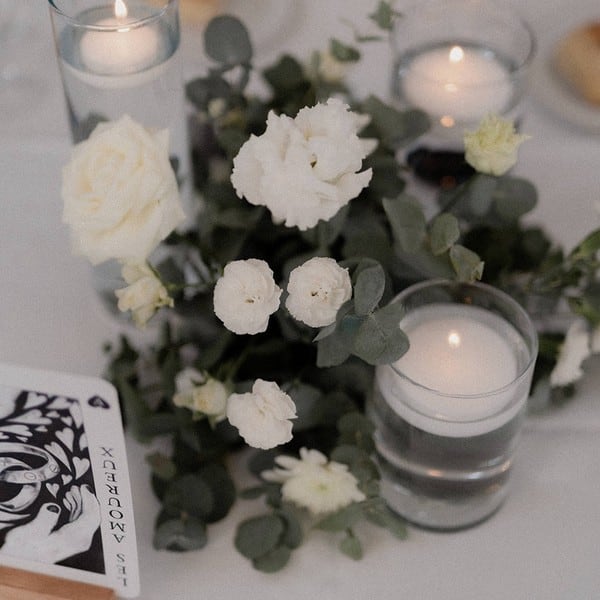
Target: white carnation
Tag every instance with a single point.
(314, 483)
(144, 294)
(492, 148)
(575, 349)
(304, 169)
(120, 193)
(263, 416)
(316, 291)
(246, 295)
(201, 393)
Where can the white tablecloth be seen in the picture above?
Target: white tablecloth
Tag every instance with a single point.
(542, 544)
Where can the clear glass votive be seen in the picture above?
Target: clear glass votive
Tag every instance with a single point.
(121, 57)
(449, 412)
(459, 60)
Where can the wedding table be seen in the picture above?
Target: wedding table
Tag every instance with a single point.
(544, 541)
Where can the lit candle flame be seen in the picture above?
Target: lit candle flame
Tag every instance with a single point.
(120, 9)
(454, 339)
(456, 54)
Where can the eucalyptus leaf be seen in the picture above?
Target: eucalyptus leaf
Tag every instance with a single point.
(480, 192)
(513, 198)
(332, 350)
(467, 264)
(273, 561)
(357, 430)
(202, 90)
(252, 493)
(226, 41)
(351, 546)
(368, 289)
(259, 536)
(162, 466)
(306, 398)
(378, 513)
(341, 520)
(380, 340)
(394, 127)
(218, 480)
(180, 535)
(191, 495)
(343, 52)
(588, 248)
(407, 221)
(383, 15)
(444, 233)
(293, 535)
(285, 75)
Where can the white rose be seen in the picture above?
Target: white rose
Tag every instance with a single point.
(263, 416)
(144, 294)
(201, 393)
(246, 295)
(492, 148)
(314, 483)
(304, 169)
(120, 193)
(316, 291)
(574, 350)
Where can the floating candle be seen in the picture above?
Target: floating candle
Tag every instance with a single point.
(119, 47)
(456, 83)
(455, 380)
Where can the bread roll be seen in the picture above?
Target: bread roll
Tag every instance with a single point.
(578, 61)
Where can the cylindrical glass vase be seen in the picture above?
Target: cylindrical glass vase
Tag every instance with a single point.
(449, 412)
(458, 61)
(122, 57)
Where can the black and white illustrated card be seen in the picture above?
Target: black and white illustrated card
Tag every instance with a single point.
(65, 498)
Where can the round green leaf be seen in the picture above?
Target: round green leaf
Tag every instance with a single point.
(368, 289)
(180, 536)
(258, 536)
(191, 495)
(273, 561)
(216, 477)
(351, 547)
(226, 41)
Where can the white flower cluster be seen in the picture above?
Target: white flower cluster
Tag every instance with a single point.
(304, 169)
(580, 343)
(246, 294)
(314, 483)
(263, 416)
(120, 200)
(492, 148)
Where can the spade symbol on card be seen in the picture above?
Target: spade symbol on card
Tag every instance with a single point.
(98, 402)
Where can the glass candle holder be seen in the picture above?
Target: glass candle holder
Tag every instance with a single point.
(121, 57)
(458, 61)
(449, 412)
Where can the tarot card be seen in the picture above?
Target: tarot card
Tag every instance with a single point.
(65, 498)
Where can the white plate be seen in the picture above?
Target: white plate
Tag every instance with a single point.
(556, 95)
